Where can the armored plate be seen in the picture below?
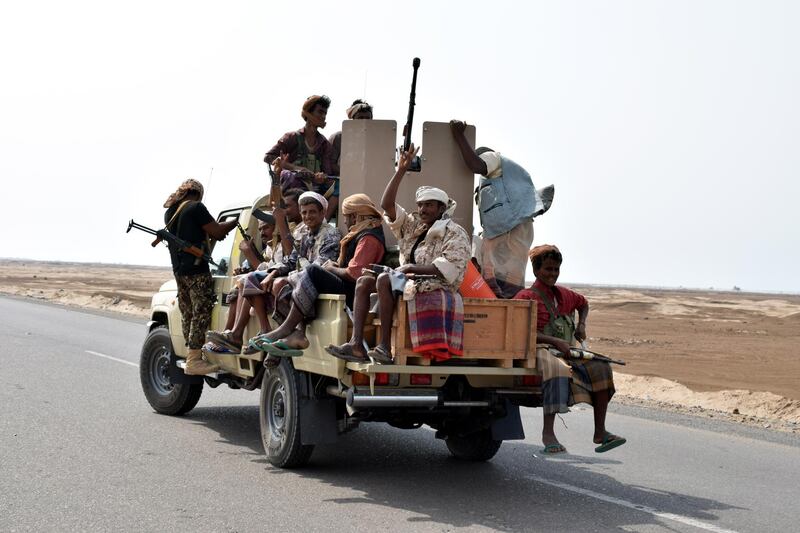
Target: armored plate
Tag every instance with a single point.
(368, 163)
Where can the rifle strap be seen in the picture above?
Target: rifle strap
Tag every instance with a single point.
(176, 213)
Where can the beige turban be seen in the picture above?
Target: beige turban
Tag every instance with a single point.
(542, 250)
(357, 107)
(185, 188)
(368, 217)
(359, 204)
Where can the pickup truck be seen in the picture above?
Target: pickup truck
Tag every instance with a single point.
(472, 402)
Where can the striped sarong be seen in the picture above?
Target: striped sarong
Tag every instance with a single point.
(567, 382)
(436, 324)
(251, 283)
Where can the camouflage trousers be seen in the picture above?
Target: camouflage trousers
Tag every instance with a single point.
(196, 300)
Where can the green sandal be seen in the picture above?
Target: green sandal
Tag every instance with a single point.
(610, 441)
(553, 449)
(280, 349)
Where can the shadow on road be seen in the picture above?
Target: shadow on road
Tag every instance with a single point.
(412, 471)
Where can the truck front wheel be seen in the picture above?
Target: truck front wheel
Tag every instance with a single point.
(478, 446)
(162, 395)
(279, 416)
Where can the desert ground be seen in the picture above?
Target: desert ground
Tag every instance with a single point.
(730, 355)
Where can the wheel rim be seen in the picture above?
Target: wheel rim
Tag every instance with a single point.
(276, 414)
(159, 367)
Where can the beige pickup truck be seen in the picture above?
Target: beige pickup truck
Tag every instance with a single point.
(472, 402)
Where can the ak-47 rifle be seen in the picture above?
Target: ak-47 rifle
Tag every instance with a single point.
(397, 278)
(249, 240)
(583, 353)
(275, 198)
(416, 164)
(169, 238)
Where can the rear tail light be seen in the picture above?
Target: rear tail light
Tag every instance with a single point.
(360, 379)
(420, 379)
(527, 381)
(381, 378)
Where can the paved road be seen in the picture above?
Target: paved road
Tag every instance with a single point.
(80, 449)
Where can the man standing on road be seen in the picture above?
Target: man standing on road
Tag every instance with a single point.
(507, 203)
(188, 219)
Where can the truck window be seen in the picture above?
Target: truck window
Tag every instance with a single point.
(222, 250)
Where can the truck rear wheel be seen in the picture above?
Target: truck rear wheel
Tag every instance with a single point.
(478, 446)
(279, 416)
(162, 395)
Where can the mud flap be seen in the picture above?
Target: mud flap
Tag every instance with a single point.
(318, 423)
(176, 375)
(510, 426)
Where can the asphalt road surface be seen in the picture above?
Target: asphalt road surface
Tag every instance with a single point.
(81, 450)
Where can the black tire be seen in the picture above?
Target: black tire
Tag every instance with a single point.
(162, 395)
(279, 417)
(478, 446)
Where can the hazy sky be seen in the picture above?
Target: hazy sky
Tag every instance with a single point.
(670, 129)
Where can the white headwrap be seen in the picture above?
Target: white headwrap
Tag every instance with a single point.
(315, 196)
(426, 193)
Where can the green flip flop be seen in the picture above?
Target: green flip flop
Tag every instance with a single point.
(280, 349)
(552, 449)
(610, 441)
(259, 340)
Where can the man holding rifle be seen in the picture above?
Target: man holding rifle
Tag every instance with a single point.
(188, 219)
(566, 381)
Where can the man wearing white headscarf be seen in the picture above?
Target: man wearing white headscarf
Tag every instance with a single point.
(431, 244)
(363, 245)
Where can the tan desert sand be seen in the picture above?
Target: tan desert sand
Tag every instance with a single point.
(726, 354)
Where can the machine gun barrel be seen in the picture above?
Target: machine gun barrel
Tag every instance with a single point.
(411, 103)
(416, 163)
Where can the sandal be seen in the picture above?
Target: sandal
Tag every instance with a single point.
(223, 338)
(217, 348)
(280, 349)
(381, 355)
(610, 441)
(553, 449)
(259, 342)
(345, 353)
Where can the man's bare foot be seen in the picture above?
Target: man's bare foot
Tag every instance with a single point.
(608, 441)
(279, 333)
(347, 352)
(551, 444)
(296, 340)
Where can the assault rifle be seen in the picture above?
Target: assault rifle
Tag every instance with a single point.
(275, 198)
(169, 238)
(583, 353)
(397, 278)
(249, 240)
(416, 164)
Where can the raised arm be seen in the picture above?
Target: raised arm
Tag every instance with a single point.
(389, 198)
(219, 230)
(282, 227)
(471, 158)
